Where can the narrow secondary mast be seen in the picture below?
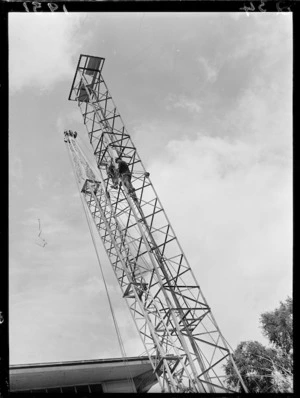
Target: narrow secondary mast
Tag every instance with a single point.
(182, 339)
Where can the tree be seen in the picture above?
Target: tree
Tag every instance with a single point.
(252, 360)
(277, 326)
(266, 369)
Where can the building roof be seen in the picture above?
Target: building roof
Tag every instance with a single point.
(134, 374)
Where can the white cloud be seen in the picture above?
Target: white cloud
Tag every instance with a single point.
(41, 48)
(234, 197)
(41, 181)
(66, 121)
(210, 70)
(263, 118)
(71, 309)
(183, 102)
(235, 225)
(274, 42)
(91, 287)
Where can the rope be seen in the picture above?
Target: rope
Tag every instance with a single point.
(117, 329)
(88, 151)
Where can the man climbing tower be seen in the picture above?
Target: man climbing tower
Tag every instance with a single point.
(113, 174)
(125, 174)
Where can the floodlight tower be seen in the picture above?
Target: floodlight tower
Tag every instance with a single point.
(182, 339)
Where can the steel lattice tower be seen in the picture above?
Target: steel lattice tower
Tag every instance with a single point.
(178, 330)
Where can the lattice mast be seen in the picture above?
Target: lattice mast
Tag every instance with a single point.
(180, 335)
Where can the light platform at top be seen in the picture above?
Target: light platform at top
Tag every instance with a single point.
(91, 68)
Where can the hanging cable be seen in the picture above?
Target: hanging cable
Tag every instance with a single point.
(82, 156)
(117, 329)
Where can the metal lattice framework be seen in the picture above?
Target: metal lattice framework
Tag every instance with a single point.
(174, 321)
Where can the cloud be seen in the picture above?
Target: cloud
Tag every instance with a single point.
(183, 102)
(91, 287)
(71, 309)
(263, 118)
(232, 186)
(235, 223)
(274, 43)
(41, 181)
(210, 70)
(57, 293)
(66, 121)
(42, 48)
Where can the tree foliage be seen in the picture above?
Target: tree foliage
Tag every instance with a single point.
(266, 369)
(277, 326)
(252, 360)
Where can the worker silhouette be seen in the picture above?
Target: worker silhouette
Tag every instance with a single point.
(125, 174)
(112, 173)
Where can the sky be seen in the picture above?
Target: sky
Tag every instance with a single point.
(207, 100)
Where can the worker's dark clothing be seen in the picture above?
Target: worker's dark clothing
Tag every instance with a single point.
(123, 167)
(111, 170)
(112, 173)
(126, 179)
(125, 175)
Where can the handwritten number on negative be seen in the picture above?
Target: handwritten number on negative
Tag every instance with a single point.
(36, 5)
(52, 6)
(260, 7)
(25, 6)
(281, 9)
(245, 8)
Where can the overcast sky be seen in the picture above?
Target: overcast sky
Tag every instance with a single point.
(207, 99)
